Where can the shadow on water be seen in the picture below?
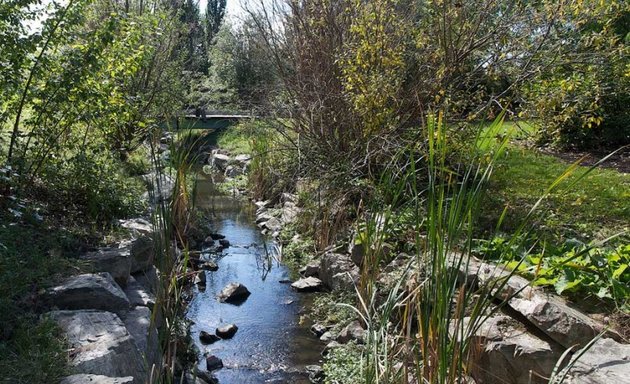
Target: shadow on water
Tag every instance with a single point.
(272, 344)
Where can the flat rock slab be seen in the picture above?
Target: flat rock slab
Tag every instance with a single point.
(234, 293)
(100, 344)
(307, 284)
(89, 291)
(116, 261)
(95, 379)
(138, 226)
(606, 362)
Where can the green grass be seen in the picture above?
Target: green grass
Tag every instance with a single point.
(596, 207)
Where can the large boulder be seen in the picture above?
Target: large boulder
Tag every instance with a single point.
(88, 291)
(509, 354)
(116, 261)
(95, 379)
(234, 293)
(606, 361)
(144, 333)
(100, 344)
(547, 312)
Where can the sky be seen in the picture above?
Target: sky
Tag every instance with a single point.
(233, 7)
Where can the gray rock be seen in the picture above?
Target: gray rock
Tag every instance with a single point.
(95, 379)
(142, 254)
(138, 227)
(346, 281)
(233, 293)
(272, 225)
(224, 243)
(357, 253)
(217, 236)
(100, 344)
(509, 354)
(208, 241)
(327, 336)
(319, 329)
(290, 212)
(353, 331)
(242, 158)
(307, 284)
(213, 363)
(309, 270)
(138, 295)
(315, 373)
(607, 361)
(200, 278)
(226, 331)
(138, 324)
(219, 161)
(149, 279)
(89, 291)
(330, 346)
(116, 261)
(547, 312)
(208, 338)
(209, 266)
(333, 267)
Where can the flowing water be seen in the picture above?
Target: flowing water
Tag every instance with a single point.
(273, 344)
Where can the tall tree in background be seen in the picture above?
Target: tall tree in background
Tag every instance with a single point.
(195, 54)
(215, 12)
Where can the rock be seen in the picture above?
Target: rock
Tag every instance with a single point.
(353, 331)
(89, 291)
(149, 279)
(95, 379)
(606, 361)
(330, 346)
(116, 261)
(100, 344)
(509, 354)
(262, 204)
(137, 227)
(290, 212)
(142, 254)
(334, 264)
(319, 329)
(309, 270)
(226, 331)
(242, 158)
(224, 243)
(217, 236)
(315, 373)
(145, 335)
(233, 293)
(346, 281)
(200, 278)
(208, 241)
(208, 338)
(213, 363)
(138, 295)
(209, 266)
(547, 312)
(263, 218)
(307, 284)
(357, 253)
(273, 225)
(327, 336)
(219, 161)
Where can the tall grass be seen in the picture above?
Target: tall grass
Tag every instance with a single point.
(423, 330)
(172, 220)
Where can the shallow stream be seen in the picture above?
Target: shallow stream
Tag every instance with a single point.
(273, 343)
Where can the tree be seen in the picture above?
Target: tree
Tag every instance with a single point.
(215, 12)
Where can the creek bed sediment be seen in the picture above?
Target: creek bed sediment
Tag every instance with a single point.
(272, 343)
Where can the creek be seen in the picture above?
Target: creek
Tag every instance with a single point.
(273, 343)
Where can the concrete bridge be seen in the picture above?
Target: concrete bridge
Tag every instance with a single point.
(214, 121)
